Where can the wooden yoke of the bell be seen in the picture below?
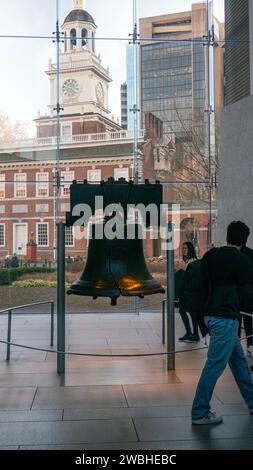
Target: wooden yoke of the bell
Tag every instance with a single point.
(122, 192)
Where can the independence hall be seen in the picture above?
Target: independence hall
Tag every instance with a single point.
(93, 147)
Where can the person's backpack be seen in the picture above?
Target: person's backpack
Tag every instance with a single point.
(196, 291)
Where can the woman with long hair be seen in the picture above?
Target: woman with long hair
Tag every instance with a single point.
(191, 335)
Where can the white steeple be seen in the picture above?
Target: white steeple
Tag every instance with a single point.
(78, 4)
(83, 81)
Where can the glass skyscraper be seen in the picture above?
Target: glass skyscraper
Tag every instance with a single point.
(176, 70)
(167, 84)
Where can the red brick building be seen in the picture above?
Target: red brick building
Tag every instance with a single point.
(27, 191)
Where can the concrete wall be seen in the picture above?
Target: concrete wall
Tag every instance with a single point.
(235, 194)
(251, 45)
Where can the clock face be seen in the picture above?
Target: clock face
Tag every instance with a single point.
(70, 87)
(100, 93)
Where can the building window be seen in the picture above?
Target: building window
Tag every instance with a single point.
(42, 186)
(2, 186)
(42, 234)
(94, 176)
(84, 37)
(67, 178)
(66, 130)
(20, 185)
(69, 236)
(2, 235)
(73, 38)
(121, 173)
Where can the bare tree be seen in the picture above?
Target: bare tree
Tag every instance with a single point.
(11, 130)
(193, 170)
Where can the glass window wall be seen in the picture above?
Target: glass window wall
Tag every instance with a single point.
(60, 115)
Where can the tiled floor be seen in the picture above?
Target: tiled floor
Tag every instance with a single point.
(110, 402)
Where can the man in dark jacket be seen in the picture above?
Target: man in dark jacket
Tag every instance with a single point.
(247, 320)
(230, 273)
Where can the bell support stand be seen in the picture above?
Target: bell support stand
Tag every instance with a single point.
(170, 299)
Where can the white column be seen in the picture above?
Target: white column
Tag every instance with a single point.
(79, 39)
(90, 40)
(68, 40)
(52, 91)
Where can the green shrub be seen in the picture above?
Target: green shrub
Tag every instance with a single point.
(9, 275)
(36, 283)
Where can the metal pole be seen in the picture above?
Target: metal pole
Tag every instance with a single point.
(52, 324)
(209, 111)
(136, 306)
(210, 236)
(163, 320)
(135, 111)
(170, 301)
(61, 297)
(58, 109)
(8, 353)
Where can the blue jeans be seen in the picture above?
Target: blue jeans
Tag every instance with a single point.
(225, 347)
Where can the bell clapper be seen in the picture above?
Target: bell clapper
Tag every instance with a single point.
(113, 301)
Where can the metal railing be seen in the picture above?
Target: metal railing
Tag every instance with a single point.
(9, 312)
(74, 139)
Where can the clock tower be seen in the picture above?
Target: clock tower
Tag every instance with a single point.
(84, 82)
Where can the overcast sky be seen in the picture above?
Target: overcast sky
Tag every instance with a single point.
(24, 87)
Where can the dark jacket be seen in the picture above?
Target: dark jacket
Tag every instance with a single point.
(195, 292)
(249, 253)
(231, 278)
(179, 282)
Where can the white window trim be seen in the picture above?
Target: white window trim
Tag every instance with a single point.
(62, 182)
(126, 169)
(2, 182)
(46, 182)
(37, 234)
(73, 245)
(66, 125)
(91, 180)
(17, 182)
(3, 225)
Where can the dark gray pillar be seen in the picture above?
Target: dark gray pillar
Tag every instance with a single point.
(61, 297)
(170, 300)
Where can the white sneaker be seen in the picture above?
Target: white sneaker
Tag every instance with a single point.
(250, 351)
(211, 418)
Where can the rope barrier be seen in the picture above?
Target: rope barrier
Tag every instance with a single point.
(108, 355)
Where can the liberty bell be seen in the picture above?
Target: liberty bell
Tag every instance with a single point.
(115, 267)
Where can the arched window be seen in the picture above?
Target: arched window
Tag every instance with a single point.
(73, 38)
(84, 37)
(93, 41)
(65, 41)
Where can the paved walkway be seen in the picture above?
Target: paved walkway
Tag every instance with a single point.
(110, 403)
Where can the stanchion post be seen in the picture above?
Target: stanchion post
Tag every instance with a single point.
(52, 323)
(61, 298)
(163, 320)
(8, 352)
(170, 300)
(136, 306)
